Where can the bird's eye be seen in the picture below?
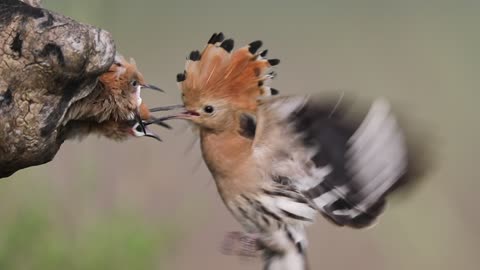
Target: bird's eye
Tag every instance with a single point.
(139, 128)
(134, 83)
(208, 109)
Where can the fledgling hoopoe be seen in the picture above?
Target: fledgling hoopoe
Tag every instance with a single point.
(115, 108)
(279, 161)
(117, 96)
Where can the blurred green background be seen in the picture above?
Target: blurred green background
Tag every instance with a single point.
(148, 205)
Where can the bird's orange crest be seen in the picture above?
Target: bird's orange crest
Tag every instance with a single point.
(239, 76)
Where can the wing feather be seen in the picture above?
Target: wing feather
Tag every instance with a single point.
(345, 166)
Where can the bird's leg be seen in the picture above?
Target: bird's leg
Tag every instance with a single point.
(241, 244)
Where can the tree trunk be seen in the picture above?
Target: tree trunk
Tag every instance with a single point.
(47, 62)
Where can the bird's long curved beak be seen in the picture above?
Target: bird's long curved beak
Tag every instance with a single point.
(153, 87)
(166, 108)
(185, 114)
(157, 121)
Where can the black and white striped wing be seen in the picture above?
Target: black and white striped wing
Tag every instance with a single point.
(345, 167)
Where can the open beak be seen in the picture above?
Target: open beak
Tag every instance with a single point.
(186, 114)
(183, 115)
(151, 134)
(138, 118)
(151, 86)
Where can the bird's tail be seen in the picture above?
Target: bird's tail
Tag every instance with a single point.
(241, 75)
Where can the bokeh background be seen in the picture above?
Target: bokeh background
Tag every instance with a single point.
(148, 205)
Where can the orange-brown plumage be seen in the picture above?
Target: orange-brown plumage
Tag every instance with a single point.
(144, 112)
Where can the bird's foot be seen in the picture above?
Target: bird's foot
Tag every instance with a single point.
(241, 244)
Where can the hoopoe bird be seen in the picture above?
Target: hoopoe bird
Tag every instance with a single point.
(115, 109)
(116, 98)
(279, 161)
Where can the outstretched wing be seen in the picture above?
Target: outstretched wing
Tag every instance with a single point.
(345, 166)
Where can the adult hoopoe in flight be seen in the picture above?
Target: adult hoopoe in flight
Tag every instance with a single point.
(115, 108)
(278, 161)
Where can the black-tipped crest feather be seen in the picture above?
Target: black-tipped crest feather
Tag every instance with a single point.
(194, 56)
(273, 62)
(227, 45)
(254, 46)
(219, 38)
(181, 77)
(212, 39)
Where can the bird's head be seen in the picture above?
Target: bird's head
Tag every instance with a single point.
(220, 83)
(125, 78)
(209, 112)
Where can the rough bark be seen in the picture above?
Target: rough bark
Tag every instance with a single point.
(47, 61)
